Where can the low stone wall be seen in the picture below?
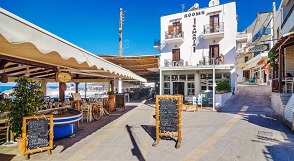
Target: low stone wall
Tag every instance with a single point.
(279, 101)
(220, 99)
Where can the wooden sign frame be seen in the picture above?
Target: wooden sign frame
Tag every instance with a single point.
(24, 149)
(117, 95)
(179, 114)
(76, 97)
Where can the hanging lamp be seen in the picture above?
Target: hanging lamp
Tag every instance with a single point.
(4, 77)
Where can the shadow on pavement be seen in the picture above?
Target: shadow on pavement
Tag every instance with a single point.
(151, 130)
(87, 128)
(136, 150)
(6, 157)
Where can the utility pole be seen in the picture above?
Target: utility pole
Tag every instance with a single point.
(120, 32)
(120, 44)
(183, 7)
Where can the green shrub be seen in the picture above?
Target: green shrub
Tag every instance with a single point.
(223, 87)
(26, 99)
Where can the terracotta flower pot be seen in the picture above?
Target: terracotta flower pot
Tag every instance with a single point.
(19, 143)
(111, 96)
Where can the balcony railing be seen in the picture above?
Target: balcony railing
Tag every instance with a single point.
(239, 47)
(157, 42)
(172, 35)
(241, 35)
(210, 61)
(262, 31)
(213, 28)
(181, 62)
(170, 63)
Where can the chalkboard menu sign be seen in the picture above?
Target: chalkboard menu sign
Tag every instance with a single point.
(37, 134)
(168, 118)
(168, 115)
(120, 100)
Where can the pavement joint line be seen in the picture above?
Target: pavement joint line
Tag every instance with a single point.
(201, 150)
(146, 140)
(107, 131)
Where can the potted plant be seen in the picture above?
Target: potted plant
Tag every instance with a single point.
(110, 94)
(111, 104)
(223, 87)
(26, 99)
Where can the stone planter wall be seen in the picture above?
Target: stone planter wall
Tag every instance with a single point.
(278, 101)
(220, 99)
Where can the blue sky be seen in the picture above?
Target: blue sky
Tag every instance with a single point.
(93, 24)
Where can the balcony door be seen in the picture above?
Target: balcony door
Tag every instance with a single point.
(170, 30)
(214, 54)
(176, 57)
(214, 21)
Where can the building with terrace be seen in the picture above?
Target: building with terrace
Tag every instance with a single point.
(198, 49)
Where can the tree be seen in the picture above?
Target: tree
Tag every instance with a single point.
(26, 99)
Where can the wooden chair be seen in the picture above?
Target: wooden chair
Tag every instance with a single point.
(86, 112)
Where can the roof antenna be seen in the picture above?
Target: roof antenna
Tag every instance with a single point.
(183, 7)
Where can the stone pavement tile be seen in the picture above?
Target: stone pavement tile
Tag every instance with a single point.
(118, 157)
(221, 158)
(151, 158)
(157, 154)
(122, 151)
(265, 158)
(105, 156)
(133, 157)
(60, 157)
(213, 154)
(172, 158)
(37, 157)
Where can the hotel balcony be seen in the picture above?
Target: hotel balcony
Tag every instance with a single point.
(157, 44)
(241, 37)
(212, 31)
(239, 47)
(174, 37)
(181, 62)
(261, 33)
(170, 63)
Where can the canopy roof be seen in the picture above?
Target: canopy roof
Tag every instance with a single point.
(285, 41)
(27, 48)
(145, 66)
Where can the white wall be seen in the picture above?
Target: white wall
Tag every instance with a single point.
(227, 43)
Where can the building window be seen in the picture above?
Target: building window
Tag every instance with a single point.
(214, 54)
(166, 77)
(190, 88)
(246, 58)
(190, 77)
(166, 88)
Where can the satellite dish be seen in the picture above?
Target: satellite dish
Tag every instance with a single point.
(196, 6)
(213, 3)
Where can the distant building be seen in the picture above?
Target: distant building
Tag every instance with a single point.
(253, 46)
(198, 49)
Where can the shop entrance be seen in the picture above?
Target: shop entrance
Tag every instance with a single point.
(178, 88)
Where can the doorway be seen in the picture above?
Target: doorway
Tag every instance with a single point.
(178, 88)
(213, 54)
(214, 21)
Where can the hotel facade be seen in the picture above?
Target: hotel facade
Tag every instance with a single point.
(198, 49)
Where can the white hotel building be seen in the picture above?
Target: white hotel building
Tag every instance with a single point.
(198, 49)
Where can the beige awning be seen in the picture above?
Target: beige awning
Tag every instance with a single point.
(23, 40)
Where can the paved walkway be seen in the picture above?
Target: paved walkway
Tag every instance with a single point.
(246, 129)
